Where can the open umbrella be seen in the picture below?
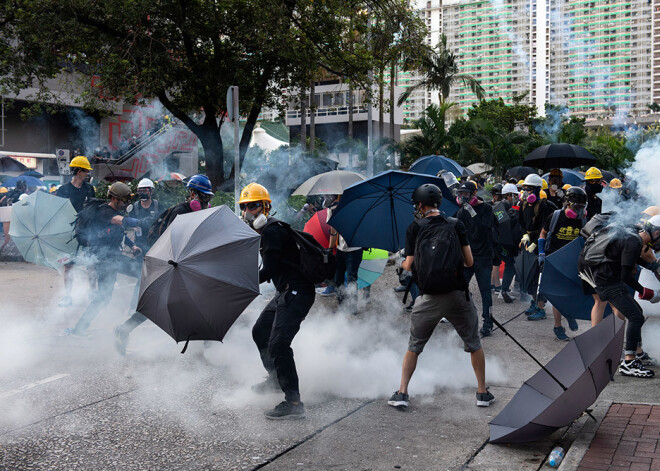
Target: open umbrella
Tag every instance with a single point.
(480, 168)
(571, 177)
(519, 172)
(319, 228)
(376, 212)
(607, 175)
(200, 275)
(559, 156)
(372, 266)
(329, 183)
(432, 164)
(41, 227)
(525, 264)
(562, 286)
(32, 173)
(29, 181)
(7, 164)
(564, 388)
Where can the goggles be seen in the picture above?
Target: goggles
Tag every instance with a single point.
(530, 189)
(249, 206)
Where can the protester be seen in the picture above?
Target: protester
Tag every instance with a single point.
(438, 270)
(608, 262)
(509, 250)
(496, 193)
(79, 192)
(280, 320)
(594, 185)
(560, 228)
(14, 194)
(533, 213)
(555, 191)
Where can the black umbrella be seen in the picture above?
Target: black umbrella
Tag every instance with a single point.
(525, 264)
(519, 172)
(564, 388)
(559, 156)
(607, 175)
(7, 164)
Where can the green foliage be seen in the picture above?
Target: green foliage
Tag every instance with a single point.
(223, 197)
(501, 115)
(434, 138)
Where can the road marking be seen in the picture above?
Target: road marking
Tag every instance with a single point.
(32, 385)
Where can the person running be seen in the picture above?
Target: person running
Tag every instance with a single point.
(560, 228)
(483, 236)
(555, 191)
(621, 251)
(280, 320)
(79, 192)
(593, 186)
(437, 250)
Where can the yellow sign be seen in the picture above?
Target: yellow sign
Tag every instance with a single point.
(29, 162)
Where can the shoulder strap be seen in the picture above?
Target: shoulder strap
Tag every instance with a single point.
(553, 224)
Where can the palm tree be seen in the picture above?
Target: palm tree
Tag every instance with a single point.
(434, 138)
(441, 73)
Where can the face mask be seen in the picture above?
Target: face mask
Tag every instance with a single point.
(143, 195)
(594, 187)
(554, 187)
(195, 205)
(255, 222)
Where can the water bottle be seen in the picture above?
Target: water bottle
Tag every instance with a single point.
(556, 456)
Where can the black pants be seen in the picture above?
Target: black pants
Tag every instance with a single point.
(619, 296)
(273, 333)
(482, 268)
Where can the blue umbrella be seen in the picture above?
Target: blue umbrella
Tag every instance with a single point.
(29, 181)
(376, 212)
(32, 173)
(432, 164)
(571, 177)
(562, 286)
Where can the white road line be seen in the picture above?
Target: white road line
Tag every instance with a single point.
(31, 385)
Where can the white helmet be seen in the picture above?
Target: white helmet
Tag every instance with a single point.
(145, 183)
(509, 188)
(533, 180)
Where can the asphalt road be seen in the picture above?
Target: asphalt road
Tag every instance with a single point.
(72, 403)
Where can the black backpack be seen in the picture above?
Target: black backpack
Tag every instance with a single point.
(88, 230)
(164, 220)
(438, 265)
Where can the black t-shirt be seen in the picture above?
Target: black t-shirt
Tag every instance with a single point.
(626, 250)
(482, 230)
(556, 200)
(594, 205)
(77, 196)
(565, 231)
(146, 216)
(280, 255)
(531, 219)
(110, 235)
(413, 231)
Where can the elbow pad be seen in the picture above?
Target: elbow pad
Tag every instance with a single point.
(541, 244)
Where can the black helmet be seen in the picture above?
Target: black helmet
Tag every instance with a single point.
(576, 195)
(497, 189)
(467, 186)
(428, 194)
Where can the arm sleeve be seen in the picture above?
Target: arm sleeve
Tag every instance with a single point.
(271, 243)
(411, 238)
(462, 233)
(628, 277)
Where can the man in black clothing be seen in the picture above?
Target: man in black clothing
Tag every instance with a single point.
(593, 186)
(483, 235)
(280, 320)
(555, 191)
(612, 278)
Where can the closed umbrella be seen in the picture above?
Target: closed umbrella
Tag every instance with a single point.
(571, 177)
(329, 183)
(564, 388)
(432, 164)
(318, 227)
(372, 266)
(376, 212)
(42, 229)
(519, 172)
(559, 156)
(525, 264)
(200, 275)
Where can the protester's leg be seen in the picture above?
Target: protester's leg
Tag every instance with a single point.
(67, 273)
(261, 333)
(353, 260)
(414, 291)
(495, 275)
(291, 310)
(557, 315)
(409, 365)
(620, 298)
(509, 272)
(482, 273)
(5, 229)
(340, 275)
(598, 310)
(478, 360)
(106, 283)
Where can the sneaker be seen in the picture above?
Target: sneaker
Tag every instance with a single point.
(635, 368)
(329, 291)
(531, 309)
(65, 301)
(484, 399)
(121, 339)
(286, 410)
(646, 360)
(560, 333)
(486, 331)
(496, 289)
(410, 307)
(537, 315)
(400, 289)
(270, 385)
(572, 324)
(398, 399)
(506, 296)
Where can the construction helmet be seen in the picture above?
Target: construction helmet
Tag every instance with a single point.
(566, 187)
(593, 174)
(615, 183)
(556, 172)
(652, 211)
(80, 162)
(428, 194)
(509, 188)
(543, 195)
(520, 182)
(652, 226)
(145, 183)
(200, 183)
(3, 189)
(533, 180)
(544, 184)
(119, 190)
(52, 189)
(254, 192)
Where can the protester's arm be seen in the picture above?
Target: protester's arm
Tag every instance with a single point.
(272, 242)
(407, 263)
(468, 261)
(466, 251)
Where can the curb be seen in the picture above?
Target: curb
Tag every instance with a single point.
(583, 440)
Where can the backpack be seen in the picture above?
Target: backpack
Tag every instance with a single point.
(164, 220)
(438, 264)
(594, 251)
(596, 223)
(316, 264)
(86, 227)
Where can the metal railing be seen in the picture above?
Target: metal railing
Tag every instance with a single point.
(327, 111)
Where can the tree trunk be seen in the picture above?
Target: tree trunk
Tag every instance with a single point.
(381, 105)
(350, 125)
(312, 118)
(209, 136)
(303, 119)
(393, 82)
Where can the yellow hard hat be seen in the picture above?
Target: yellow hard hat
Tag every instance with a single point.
(593, 174)
(254, 192)
(652, 211)
(52, 189)
(520, 182)
(543, 194)
(3, 189)
(81, 162)
(615, 183)
(566, 187)
(544, 185)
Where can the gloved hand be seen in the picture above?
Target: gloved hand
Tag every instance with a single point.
(524, 241)
(531, 248)
(560, 193)
(647, 294)
(541, 258)
(130, 222)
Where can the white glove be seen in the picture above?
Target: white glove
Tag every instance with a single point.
(531, 248)
(656, 296)
(524, 241)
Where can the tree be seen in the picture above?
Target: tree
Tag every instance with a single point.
(501, 115)
(440, 71)
(434, 138)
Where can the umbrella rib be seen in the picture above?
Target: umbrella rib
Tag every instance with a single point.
(51, 218)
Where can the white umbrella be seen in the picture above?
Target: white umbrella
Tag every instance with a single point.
(480, 167)
(329, 183)
(263, 140)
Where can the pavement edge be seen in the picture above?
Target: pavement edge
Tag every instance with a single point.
(584, 438)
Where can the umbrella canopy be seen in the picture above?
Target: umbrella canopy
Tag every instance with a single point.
(608, 176)
(559, 155)
(42, 229)
(584, 367)
(480, 168)
(32, 173)
(372, 266)
(200, 275)
(571, 177)
(329, 183)
(525, 264)
(260, 138)
(376, 212)
(7, 164)
(318, 227)
(432, 164)
(562, 286)
(519, 172)
(29, 181)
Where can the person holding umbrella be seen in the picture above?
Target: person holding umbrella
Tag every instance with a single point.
(594, 185)
(280, 320)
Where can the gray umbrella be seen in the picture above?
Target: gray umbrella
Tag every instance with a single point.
(329, 183)
(563, 389)
(200, 275)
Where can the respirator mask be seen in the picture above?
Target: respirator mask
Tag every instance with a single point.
(593, 187)
(575, 211)
(144, 195)
(256, 222)
(530, 194)
(463, 198)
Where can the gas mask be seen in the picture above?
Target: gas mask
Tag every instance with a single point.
(576, 211)
(593, 187)
(144, 195)
(255, 222)
(530, 195)
(463, 198)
